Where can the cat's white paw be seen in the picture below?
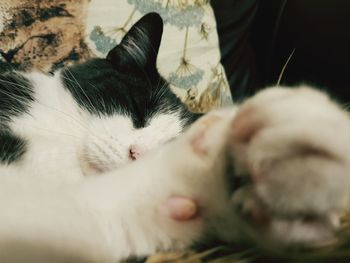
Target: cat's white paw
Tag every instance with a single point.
(294, 145)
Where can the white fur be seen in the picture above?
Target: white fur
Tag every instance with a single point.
(295, 144)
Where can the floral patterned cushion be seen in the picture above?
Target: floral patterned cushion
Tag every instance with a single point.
(49, 34)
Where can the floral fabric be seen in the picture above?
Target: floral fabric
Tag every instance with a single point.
(50, 34)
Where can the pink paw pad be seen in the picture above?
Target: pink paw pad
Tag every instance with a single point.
(246, 124)
(181, 208)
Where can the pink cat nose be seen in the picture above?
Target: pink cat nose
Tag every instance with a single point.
(134, 152)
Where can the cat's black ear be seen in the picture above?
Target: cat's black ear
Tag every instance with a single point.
(139, 47)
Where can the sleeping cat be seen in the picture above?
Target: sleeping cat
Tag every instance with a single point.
(92, 117)
(292, 144)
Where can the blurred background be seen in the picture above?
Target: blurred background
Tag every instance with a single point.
(257, 37)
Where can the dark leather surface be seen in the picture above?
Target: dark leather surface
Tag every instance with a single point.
(319, 31)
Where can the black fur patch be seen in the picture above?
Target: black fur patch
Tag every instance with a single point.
(16, 94)
(103, 90)
(11, 148)
(127, 81)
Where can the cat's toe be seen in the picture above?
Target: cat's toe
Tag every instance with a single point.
(274, 225)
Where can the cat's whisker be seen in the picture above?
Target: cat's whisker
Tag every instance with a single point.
(101, 100)
(103, 103)
(55, 132)
(13, 96)
(20, 99)
(14, 84)
(76, 121)
(81, 88)
(159, 92)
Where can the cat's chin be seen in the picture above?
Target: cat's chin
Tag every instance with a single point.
(89, 167)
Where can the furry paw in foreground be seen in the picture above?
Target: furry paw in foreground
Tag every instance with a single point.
(290, 146)
(294, 144)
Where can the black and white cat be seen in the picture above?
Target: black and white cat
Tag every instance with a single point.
(92, 117)
(294, 145)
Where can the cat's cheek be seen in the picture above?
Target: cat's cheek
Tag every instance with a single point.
(89, 168)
